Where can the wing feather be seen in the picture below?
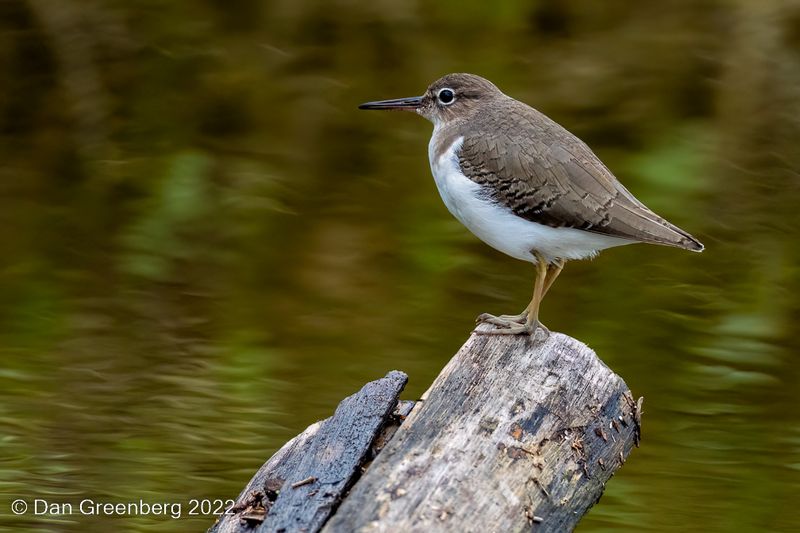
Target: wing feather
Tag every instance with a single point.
(545, 174)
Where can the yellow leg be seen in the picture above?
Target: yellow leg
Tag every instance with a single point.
(542, 270)
(553, 270)
(528, 320)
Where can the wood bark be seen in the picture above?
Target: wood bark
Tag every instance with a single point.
(516, 434)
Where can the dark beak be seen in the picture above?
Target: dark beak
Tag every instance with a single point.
(408, 104)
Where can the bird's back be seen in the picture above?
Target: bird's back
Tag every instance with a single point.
(545, 174)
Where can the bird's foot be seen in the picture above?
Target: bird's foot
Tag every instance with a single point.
(509, 325)
(519, 319)
(514, 329)
(503, 321)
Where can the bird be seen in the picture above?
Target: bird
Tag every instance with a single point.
(526, 186)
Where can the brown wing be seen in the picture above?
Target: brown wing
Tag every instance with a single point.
(545, 174)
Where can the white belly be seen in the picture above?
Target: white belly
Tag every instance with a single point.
(499, 227)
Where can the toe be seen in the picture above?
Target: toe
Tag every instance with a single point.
(484, 317)
(510, 329)
(520, 318)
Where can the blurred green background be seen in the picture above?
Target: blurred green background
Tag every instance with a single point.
(205, 246)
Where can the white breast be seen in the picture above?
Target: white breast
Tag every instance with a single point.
(498, 226)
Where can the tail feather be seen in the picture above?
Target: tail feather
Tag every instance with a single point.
(641, 224)
(683, 239)
(661, 231)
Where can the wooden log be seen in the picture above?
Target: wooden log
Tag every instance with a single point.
(515, 434)
(299, 487)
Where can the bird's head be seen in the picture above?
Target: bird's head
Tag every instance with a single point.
(450, 98)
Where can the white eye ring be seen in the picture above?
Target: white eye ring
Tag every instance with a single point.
(446, 96)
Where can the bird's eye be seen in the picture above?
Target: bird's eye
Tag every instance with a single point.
(446, 96)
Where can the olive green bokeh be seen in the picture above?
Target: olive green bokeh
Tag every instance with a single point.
(205, 246)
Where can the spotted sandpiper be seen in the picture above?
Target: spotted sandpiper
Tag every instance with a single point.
(526, 186)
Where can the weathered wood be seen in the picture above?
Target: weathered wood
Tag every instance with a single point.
(300, 485)
(515, 434)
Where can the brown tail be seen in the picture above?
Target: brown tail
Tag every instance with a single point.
(683, 239)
